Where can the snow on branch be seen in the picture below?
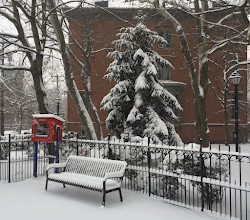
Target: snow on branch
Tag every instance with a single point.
(7, 67)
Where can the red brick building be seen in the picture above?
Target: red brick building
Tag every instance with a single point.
(102, 27)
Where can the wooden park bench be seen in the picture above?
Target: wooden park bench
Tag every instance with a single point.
(92, 173)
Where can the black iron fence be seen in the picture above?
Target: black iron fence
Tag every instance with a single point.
(17, 159)
(214, 179)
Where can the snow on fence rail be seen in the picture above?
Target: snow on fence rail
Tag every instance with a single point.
(209, 179)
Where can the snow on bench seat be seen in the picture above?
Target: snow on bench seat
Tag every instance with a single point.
(84, 180)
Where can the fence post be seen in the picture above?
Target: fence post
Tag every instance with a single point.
(9, 159)
(57, 143)
(57, 146)
(77, 149)
(35, 159)
(109, 149)
(0, 162)
(149, 166)
(202, 175)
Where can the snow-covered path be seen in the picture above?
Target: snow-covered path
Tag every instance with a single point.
(27, 200)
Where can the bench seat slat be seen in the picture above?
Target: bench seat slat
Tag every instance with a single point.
(84, 180)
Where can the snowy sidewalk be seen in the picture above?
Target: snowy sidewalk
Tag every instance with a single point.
(27, 200)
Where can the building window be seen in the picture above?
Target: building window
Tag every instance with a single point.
(176, 89)
(167, 35)
(165, 73)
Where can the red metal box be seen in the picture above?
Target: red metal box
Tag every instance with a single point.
(44, 127)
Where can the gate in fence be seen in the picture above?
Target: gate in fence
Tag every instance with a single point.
(213, 180)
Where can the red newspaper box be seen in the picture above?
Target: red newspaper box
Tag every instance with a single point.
(44, 127)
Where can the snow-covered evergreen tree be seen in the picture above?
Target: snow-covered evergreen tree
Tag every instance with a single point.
(138, 104)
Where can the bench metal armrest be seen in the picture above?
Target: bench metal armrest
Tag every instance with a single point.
(118, 174)
(55, 165)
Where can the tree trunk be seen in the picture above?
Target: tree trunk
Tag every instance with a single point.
(202, 130)
(40, 93)
(93, 112)
(84, 66)
(70, 82)
(92, 108)
(199, 79)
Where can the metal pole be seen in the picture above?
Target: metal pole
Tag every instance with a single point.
(57, 146)
(35, 159)
(2, 95)
(202, 175)
(236, 119)
(9, 158)
(57, 143)
(109, 149)
(0, 162)
(77, 148)
(58, 107)
(149, 167)
(58, 103)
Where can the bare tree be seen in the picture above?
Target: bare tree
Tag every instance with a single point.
(34, 37)
(19, 101)
(60, 24)
(29, 35)
(65, 53)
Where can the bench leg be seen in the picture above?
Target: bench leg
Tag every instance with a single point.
(120, 192)
(103, 200)
(46, 185)
(104, 194)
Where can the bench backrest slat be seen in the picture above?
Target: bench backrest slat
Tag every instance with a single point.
(93, 166)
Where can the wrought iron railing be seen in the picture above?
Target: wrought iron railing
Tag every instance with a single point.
(17, 160)
(211, 179)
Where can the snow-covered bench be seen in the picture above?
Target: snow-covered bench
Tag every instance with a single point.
(92, 173)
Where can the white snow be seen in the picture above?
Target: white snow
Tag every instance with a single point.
(201, 91)
(85, 112)
(48, 116)
(28, 200)
(141, 82)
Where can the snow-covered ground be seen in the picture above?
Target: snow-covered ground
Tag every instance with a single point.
(28, 200)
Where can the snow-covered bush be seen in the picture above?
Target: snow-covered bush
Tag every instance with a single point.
(189, 162)
(68, 146)
(176, 162)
